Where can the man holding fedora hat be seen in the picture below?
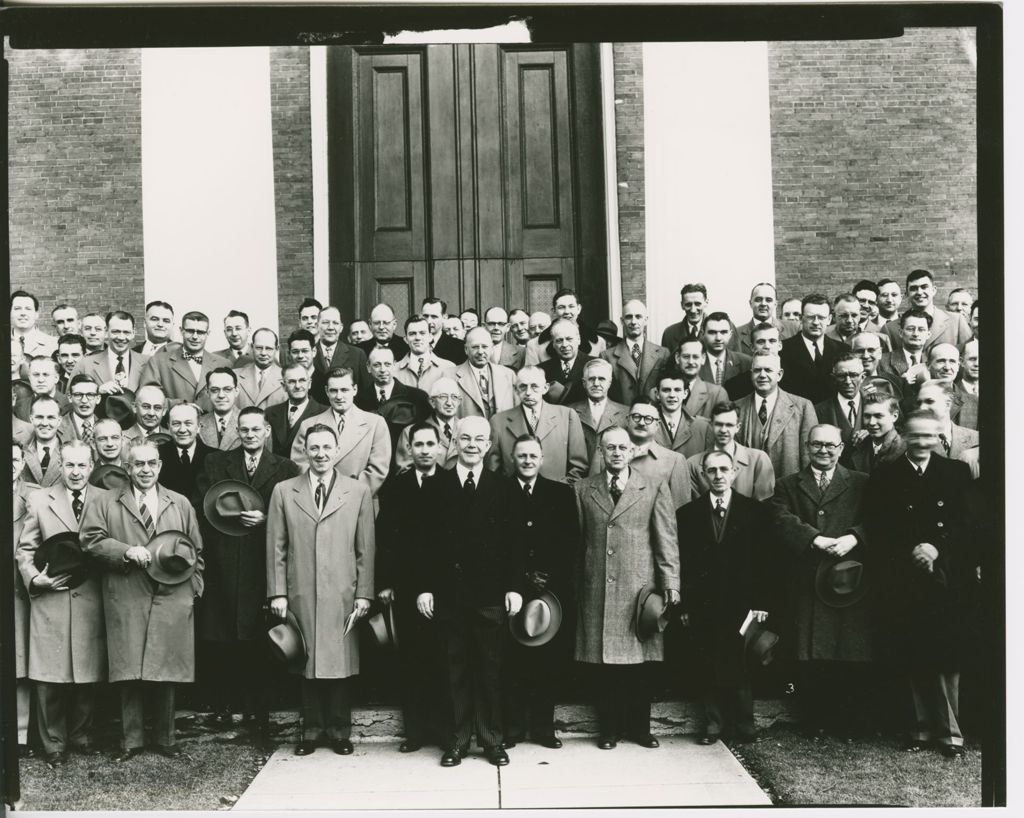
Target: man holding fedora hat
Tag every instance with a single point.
(628, 526)
(67, 642)
(22, 490)
(118, 367)
(819, 515)
(320, 559)
(726, 573)
(147, 540)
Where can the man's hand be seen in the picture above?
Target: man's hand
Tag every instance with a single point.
(279, 606)
(671, 597)
(251, 519)
(759, 616)
(924, 556)
(539, 579)
(44, 582)
(110, 388)
(361, 607)
(386, 595)
(844, 545)
(684, 620)
(513, 602)
(858, 436)
(824, 543)
(139, 555)
(425, 604)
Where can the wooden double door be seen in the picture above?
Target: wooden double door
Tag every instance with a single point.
(472, 173)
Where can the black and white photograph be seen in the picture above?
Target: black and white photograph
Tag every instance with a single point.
(504, 408)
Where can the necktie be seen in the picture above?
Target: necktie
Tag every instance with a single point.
(823, 482)
(636, 356)
(195, 358)
(185, 459)
(720, 508)
(814, 352)
(526, 490)
(762, 413)
(919, 470)
(76, 503)
(119, 369)
(566, 366)
(485, 392)
(221, 426)
(341, 424)
(852, 414)
(914, 359)
(946, 444)
(448, 431)
(670, 422)
(419, 372)
(531, 420)
(147, 518)
(718, 372)
(383, 396)
(292, 408)
(321, 494)
(469, 487)
(87, 430)
(328, 353)
(615, 489)
(21, 340)
(259, 379)
(44, 464)
(250, 465)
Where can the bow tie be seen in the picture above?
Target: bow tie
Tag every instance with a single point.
(197, 358)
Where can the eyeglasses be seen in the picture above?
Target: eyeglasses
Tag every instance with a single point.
(194, 332)
(818, 445)
(643, 420)
(448, 398)
(84, 395)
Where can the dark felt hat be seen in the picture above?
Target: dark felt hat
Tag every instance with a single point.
(224, 503)
(382, 626)
(538, 621)
(651, 613)
(109, 476)
(63, 553)
(287, 643)
(759, 644)
(840, 584)
(119, 407)
(174, 557)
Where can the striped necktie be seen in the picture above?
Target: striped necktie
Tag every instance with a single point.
(147, 518)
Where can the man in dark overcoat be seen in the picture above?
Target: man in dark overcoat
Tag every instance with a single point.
(183, 457)
(922, 527)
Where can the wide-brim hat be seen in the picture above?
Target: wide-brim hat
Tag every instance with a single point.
(840, 584)
(651, 616)
(759, 644)
(119, 407)
(382, 626)
(159, 438)
(538, 621)
(287, 643)
(224, 503)
(63, 553)
(173, 557)
(399, 412)
(109, 476)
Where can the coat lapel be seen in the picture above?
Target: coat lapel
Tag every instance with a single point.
(630, 496)
(784, 410)
(836, 487)
(354, 431)
(180, 367)
(808, 485)
(127, 499)
(626, 360)
(303, 499)
(335, 500)
(470, 385)
(163, 504)
(60, 506)
(695, 400)
(234, 465)
(601, 496)
(647, 362)
(545, 423)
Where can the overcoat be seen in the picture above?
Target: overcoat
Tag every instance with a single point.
(21, 613)
(250, 394)
(625, 546)
(183, 479)
(97, 364)
(829, 411)
(659, 464)
(208, 431)
(755, 476)
(322, 563)
(561, 439)
(364, 446)
(614, 415)
(67, 640)
(565, 387)
(804, 377)
(236, 567)
(150, 628)
(800, 514)
(627, 383)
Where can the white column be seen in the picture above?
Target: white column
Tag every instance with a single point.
(708, 175)
(208, 183)
(318, 145)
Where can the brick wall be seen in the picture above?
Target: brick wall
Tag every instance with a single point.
(76, 178)
(293, 179)
(873, 155)
(629, 163)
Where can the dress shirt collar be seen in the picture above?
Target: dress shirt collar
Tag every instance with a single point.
(819, 343)
(82, 494)
(524, 483)
(315, 478)
(149, 498)
(772, 400)
(112, 360)
(52, 444)
(420, 474)
(726, 499)
(463, 472)
(970, 387)
(387, 389)
(817, 473)
(248, 457)
(844, 403)
(923, 467)
(299, 407)
(623, 478)
(191, 450)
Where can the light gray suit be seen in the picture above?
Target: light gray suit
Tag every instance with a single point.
(364, 446)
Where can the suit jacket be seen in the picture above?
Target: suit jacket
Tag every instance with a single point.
(170, 371)
(546, 532)
(451, 349)
(755, 476)
(744, 342)
(561, 440)
(828, 411)
(785, 439)
(693, 435)
(892, 365)
(322, 562)
(364, 446)
(67, 641)
(862, 457)
(33, 472)
(236, 567)
(803, 377)
(249, 394)
(22, 431)
(736, 363)
(627, 383)
(503, 390)
(965, 407)
(22, 491)
(245, 359)
(281, 434)
(675, 334)
(564, 388)
(947, 328)
(97, 365)
(447, 452)
(37, 342)
(802, 513)
(961, 440)
(634, 544)
(510, 354)
(184, 480)
(347, 356)
(614, 415)
(402, 535)
(395, 343)
(703, 397)
(539, 349)
(208, 431)
(406, 406)
(436, 368)
(660, 465)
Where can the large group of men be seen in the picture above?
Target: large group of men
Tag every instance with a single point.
(516, 492)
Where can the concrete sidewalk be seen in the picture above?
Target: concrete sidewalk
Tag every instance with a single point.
(377, 776)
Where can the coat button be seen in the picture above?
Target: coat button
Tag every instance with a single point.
(531, 552)
(940, 504)
(458, 567)
(610, 552)
(910, 508)
(610, 580)
(821, 513)
(939, 525)
(529, 523)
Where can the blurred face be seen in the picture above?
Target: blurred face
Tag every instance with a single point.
(23, 313)
(765, 374)
(108, 439)
(944, 362)
(340, 393)
(435, 317)
(193, 335)
(825, 444)
(889, 299)
(671, 393)
(121, 333)
(597, 380)
(16, 361)
(915, 333)
(869, 347)
(473, 439)
(358, 332)
(446, 400)
(527, 458)
(469, 320)
(690, 358)
(847, 318)
(253, 432)
(330, 325)
(478, 347)
(144, 466)
(520, 327)
(68, 355)
(149, 407)
(868, 304)
(642, 422)
(66, 320)
(85, 397)
(223, 392)
(296, 383)
(814, 320)
(933, 398)
(382, 323)
(308, 317)
(568, 307)
(42, 376)
(921, 436)
(453, 328)
(424, 449)
(17, 462)
(634, 320)
(878, 420)
(616, 450)
(539, 322)
(716, 336)
(417, 336)
(301, 353)
(158, 324)
(236, 331)
(724, 426)
(184, 425)
(565, 339)
(264, 348)
(762, 303)
(847, 376)
(791, 309)
(921, 292)
(693, 305)
(45, 419)
(960, 302)
(382, 366)
(94, 330)
(720, 473)
(76, 466)
(530, 387)
(972, 361)
(320, 451)
(496, 321)
(767, 342)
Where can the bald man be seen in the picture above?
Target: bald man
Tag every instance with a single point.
(636, 362)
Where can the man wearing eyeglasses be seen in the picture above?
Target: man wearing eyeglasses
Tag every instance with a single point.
(445, 398)
(382, 327)
(180, 369)
(219, 429)
(285, 418)
(819, 516)
(848, 320)
(503, 352)
(80, 423)
(843, 409)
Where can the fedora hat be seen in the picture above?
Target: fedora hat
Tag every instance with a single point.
(840, 584)
(759, 644)
(119, 407)
(399, 412)
(382, 626)
(159, 438)
(109, 476)
(63, 553)
(538, 621)
(287, 642)
(174, 557)
(651, 613)
(224, 503)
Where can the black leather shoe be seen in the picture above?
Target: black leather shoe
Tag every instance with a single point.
(56, 759)
(451, 758)
(648, 741)
(707, 740)
(169, 751)
(953, 751)
(497, 756)
(342, 746)
(409, 746)
(128, 753)
(606, 743)
(305, 748)
(512, 741)
(551, 742)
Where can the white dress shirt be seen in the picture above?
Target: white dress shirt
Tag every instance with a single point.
(421, 474)
(597, 410)
(112, 362)
(463, 473)
(818, 345)
(149, 499)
